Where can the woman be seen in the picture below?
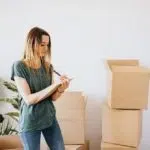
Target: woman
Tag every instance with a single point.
(33, 77)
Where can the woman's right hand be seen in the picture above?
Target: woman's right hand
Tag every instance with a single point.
(64, 83)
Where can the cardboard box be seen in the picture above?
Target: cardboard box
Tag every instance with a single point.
(10, 142)
(122, 127)
(70, 112)
(67, 147)
(84, 146)
(109, 146)
(73, 131)
(122, 62)
(78, 147)
(74, 147)
(129, 87)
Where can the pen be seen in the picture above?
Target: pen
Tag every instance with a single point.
(60, 74)
(57, 73)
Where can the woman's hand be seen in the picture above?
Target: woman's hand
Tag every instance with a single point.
(64, 83)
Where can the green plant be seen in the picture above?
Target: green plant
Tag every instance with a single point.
(6, 127)
(5, 124)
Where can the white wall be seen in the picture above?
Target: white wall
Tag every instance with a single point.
(84, 34)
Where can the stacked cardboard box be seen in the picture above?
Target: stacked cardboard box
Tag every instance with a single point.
(70, 112)
(78, 147)
(109, 146)
(127, 98)
(74, 147)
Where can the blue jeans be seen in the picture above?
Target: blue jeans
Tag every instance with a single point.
(52, 135)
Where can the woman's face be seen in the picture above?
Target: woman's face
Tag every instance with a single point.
(43, 46)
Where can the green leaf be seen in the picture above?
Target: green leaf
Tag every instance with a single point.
(13, 131)
(12, 101)
(7, 129)
(16, 114)
(14, 118)
(10, 86)
(13, 115)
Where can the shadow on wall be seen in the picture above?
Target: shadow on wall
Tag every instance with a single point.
(93, 121)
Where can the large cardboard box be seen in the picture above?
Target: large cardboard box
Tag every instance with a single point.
(122, 62)
(70, 112)
(129, 87)
(84, 146)
(122, 127)
(109, 146)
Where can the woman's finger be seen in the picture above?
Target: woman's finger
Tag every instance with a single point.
(63, 77)
(66, 83)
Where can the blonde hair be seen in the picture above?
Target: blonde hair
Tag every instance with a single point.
(34, 38)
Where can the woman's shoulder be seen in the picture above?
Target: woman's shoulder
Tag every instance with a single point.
(18, 69)
(19, 64)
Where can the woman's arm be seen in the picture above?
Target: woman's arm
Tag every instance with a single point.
(25, 91)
